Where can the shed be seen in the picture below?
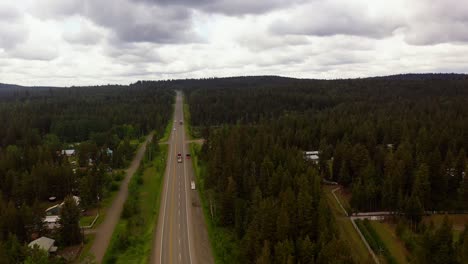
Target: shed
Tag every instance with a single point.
(44, 243)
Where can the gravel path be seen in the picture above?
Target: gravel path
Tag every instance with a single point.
(105, 230)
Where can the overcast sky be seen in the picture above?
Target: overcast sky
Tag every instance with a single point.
(81, 42)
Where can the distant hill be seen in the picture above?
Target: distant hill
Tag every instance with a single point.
(423, 76)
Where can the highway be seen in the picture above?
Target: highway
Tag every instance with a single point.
(175, 237)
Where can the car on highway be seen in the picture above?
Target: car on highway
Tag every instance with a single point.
(179, 158)
(187, 156)
(180, 122)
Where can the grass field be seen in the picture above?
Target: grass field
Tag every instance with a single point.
(167, 131)
(346, 229)
(226, 247)
(458, 221)
(391, 241)
(87, 220)
(132, 239)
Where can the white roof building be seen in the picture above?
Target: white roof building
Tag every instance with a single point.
(44, 243)
(312, 155)
(51, 221)
(68, 152)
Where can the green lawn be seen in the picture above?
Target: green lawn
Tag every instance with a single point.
(458, 221)
(87, 220)
(138, 230)
(347, 231)
(225, 246)
(85, 257)
(167, 131)
(187, 127)
(391, 241)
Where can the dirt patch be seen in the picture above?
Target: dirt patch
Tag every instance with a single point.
(70, 253)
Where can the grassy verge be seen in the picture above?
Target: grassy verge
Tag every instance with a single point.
(391, 241)
(132, 239)
(375, 241)
(347, 231)
(458, 221)
(87, 220)
(226, 247)
(84, 256)
(167, 131)
(187, 127)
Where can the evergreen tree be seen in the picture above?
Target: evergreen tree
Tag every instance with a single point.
(70, 232)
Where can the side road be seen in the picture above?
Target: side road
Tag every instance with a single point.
(105, 230)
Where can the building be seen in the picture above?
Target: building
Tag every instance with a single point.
(312, 156)
(51, 221)
(68, 152)
(44, 243)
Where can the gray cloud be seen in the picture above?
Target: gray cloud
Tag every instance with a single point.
(228, 7)
(27, 52)
(331, 18)
(84, 36)
(437, 21)
(129, 21)
(12, 28)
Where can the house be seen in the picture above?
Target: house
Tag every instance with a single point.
(312, 156)
(51, 221)
(68, 152)
(44, 243)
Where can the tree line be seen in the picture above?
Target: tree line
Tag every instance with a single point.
(37, 124)
(398, 144)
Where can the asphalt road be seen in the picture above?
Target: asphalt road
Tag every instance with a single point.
(174, 238)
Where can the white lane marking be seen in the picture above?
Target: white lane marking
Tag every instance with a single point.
(165, 199)
(186, 196)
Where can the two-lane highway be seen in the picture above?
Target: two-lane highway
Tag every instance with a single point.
(173, 241)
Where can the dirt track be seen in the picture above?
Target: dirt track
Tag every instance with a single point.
(106, 228)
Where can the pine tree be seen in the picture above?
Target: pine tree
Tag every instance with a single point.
(265, 256)
(70, 232)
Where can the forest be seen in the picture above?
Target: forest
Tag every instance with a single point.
(398, 144)
(99, 123)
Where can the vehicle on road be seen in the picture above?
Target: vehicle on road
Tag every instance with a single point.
(174, 129)
(179, 158)
(192, 185)
(180, 122)
(187, 156)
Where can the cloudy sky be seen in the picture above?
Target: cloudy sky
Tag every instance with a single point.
(81, 42)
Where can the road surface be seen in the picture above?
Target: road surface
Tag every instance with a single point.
(106, 228)
(181, 235)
